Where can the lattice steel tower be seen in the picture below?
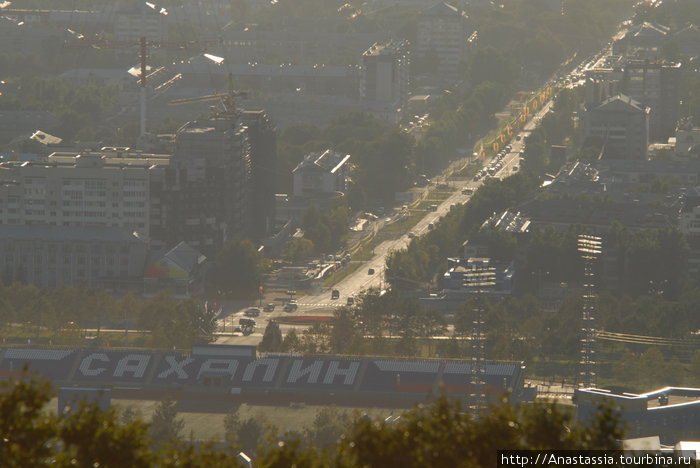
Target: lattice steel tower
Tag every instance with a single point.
(478, 280)
(590, 248)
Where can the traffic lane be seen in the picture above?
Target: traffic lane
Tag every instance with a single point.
(361, 280)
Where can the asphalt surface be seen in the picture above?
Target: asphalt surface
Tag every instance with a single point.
(321, 304)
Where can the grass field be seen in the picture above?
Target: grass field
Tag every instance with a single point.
(210, 425)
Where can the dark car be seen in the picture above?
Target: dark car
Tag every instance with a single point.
(269, 307)
(335, 294)
(254, 312)
(370, 271)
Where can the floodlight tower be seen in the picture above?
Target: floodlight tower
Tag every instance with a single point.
(478, 280)
(590, 248)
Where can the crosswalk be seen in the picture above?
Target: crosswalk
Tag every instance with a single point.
(322, 304)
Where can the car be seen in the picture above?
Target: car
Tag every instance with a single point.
(238, 330)
(517, 138)
(350, 301)
(433, 207)
(515, 168)
(431, 226)
(335, 294)
(370, 271)
(291, 305)
(411, 235)
(252, 312)
(269, 307)
(467, 191)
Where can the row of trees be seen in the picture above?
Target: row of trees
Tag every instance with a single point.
(378, 324)
(426, 255)
(60, 311)
(439, 434)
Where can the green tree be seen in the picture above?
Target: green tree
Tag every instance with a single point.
(272, 338)
(250, 434)
(343, 330)
(328, 425)
(232, 424)
(165, 425)
(237, 270)
(297, 250)
(291, 342)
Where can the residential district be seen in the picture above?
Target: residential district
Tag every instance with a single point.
(219, 205)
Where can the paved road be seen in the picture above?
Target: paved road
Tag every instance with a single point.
(360, 280)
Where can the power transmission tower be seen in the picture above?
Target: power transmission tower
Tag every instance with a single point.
(590, 248)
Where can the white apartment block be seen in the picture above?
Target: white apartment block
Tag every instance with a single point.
(110, 189)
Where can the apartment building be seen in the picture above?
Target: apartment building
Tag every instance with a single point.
(384, 79)
(95, 256)
(621, 125)
(443, 30)
(656, 85)
(109, 189)
(206, 191)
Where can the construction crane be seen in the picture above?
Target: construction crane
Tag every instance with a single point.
(227, 100)
(99, 43)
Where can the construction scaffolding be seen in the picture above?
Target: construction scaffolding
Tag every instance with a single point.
(590, 248)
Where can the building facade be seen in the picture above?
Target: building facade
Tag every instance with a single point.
(111, 188)
(206, 190)
(621, 125)
(97, 257)
(262, 136)
(384, 80)
(656, 85)
(443, 30)
(322, 174)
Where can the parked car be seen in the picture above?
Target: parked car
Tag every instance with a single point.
(291, 305)
(411, 235)
(467, 191)
(350, 301)
(269, 307)
(252, 312)
(370, 271)
(335, 294)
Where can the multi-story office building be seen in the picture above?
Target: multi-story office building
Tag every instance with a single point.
(385, 78)
(443, 30)
(621, 125)
(98, 257)
(206, 191)
(109, 189)
(262, 136)
(656, 85)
